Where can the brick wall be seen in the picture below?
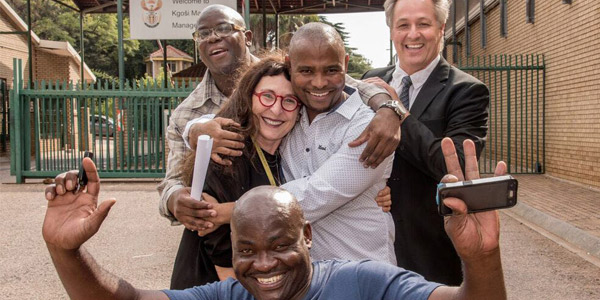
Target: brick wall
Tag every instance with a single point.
(74, 71)
(52, 67)
(568, 36)
(11, 46)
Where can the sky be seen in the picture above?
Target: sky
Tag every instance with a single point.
(369, 33)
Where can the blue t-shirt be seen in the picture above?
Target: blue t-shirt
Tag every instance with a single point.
(332, 279)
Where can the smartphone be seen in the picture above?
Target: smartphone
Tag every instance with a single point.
(479, 194)
(82, 177)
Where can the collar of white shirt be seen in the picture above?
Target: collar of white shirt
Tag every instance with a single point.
(345, 108)
(419, 77)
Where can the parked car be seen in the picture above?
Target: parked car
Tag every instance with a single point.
(101, 125)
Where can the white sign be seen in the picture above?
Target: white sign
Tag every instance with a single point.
(167, 19)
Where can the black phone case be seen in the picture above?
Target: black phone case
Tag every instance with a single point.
(480, 197)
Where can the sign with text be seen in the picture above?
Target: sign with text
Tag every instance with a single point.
(167, 19)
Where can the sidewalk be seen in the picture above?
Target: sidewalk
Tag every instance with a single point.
(567, 210)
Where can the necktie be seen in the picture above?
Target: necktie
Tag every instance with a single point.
(406, 83)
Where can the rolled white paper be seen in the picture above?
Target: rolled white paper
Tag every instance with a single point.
(203, 150)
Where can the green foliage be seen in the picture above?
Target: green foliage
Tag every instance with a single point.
(103, 76)
(52, 21)
(56, 22)
(288, 24)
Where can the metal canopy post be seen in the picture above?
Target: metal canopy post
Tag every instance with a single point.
(165, 63)
(29, 46)
(264, 23)
(277, 30)
(81, 49)
(120, 47)
(247, 13)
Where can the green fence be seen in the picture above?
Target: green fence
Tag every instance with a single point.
(124, 126)
(517, 111)
(55, 122)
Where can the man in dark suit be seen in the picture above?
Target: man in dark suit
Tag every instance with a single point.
(439, 101)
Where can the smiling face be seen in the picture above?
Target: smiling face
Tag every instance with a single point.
(273, 122)
(222, 55)
(416, 34)
(318, 75)
(271, 247)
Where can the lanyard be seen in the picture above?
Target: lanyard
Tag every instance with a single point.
(263, 160)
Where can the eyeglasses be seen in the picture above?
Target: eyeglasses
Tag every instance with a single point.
(268, 99)
(221, 30)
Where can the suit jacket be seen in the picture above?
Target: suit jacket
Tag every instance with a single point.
(452, 104)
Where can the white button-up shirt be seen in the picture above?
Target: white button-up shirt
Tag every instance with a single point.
(334, 189)
(418, 79)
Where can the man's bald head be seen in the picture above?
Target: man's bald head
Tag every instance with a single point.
(270, 238)
(267, 202)
(319, 34)
(232, 15)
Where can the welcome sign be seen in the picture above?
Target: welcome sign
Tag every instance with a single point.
(167, 19)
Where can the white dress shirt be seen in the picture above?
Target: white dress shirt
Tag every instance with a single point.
(334, 189)
(418, 79)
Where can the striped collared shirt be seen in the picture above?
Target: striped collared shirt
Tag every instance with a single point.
(205, 99)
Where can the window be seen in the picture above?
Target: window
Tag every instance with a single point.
(530, 11)
(567, 1)
(172, 66)
(467, 30)
(454, 47)
(503, 19)
(483, 25)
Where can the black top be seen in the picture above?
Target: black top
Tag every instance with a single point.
(197, 256)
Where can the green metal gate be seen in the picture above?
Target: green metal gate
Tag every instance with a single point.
(517, 111)
(124, 126)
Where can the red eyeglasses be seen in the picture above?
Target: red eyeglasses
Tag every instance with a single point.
(268, 99)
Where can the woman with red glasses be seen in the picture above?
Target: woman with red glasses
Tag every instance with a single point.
(266, 110)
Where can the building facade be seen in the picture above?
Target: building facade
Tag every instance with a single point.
(567, 34)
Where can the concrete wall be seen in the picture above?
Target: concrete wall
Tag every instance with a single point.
(569, 38)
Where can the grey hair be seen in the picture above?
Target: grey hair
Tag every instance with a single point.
(442, 9)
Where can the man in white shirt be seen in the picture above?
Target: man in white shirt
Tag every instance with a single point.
(333, 187)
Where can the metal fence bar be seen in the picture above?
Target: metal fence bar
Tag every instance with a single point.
(517, 106)
(125, 124)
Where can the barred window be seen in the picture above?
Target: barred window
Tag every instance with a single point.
(530, 11)
(483, 25)
(467, 30)
(503, 19)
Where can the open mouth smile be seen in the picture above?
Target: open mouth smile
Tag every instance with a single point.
(272, 122)
(319, 94)
(415, 46)
(270, 280)
(218, 51)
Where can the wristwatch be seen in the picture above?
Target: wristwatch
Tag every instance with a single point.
(396, 107)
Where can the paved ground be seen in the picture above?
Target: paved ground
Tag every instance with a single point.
(139, 245)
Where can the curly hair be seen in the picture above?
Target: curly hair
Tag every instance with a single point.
(239, 109)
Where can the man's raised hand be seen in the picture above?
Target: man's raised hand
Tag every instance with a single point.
(474, 235)
(73, 216)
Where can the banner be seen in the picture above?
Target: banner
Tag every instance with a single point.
(167, 19)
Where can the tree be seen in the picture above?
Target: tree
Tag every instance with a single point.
(99, 31)
(288, 24)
